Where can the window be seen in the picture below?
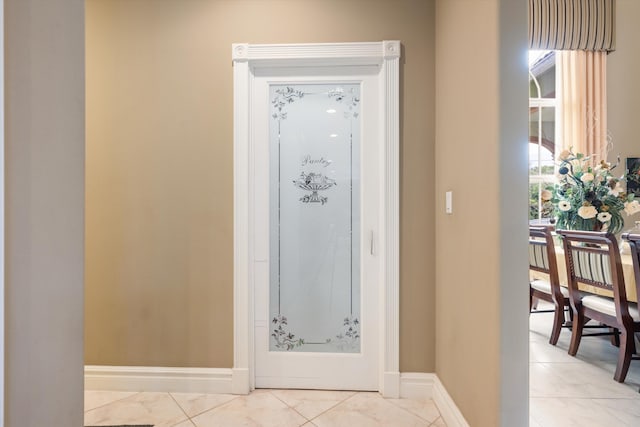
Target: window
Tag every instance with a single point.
(542, 128)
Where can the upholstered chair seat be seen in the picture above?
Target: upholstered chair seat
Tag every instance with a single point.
(544, 286)
(608, 306)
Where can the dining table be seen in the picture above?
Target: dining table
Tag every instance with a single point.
(627, 269)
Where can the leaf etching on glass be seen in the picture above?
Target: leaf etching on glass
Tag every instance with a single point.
(284, 339)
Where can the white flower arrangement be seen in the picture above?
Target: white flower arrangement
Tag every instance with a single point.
(589, 197)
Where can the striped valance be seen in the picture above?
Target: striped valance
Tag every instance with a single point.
(572, 24)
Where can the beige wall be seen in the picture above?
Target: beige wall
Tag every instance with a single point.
(481, 149)
(623, 86)
(159, 168)
(44, 196)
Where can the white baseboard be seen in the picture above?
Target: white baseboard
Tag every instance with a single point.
(418, 385)
(145, 378)
(447, 407)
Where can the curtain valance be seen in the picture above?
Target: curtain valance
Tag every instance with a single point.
(572, 25)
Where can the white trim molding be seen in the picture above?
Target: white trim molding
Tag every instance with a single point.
(247, 58)
(2, 220)
(447, 407)
(390, 232)
(419, 385)
(158, 379)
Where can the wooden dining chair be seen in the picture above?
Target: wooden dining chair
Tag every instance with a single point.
(593, 258)
(634, 245)
(542, 258)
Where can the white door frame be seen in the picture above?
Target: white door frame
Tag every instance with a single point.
(247, 58)
(2, 365)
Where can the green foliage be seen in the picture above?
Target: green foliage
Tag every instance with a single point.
(547, 205)
(544, 170)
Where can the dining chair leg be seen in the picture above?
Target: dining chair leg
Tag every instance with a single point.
(576, 332)
(615, 336)
(624, 356)
(530, 299)
(558, 320)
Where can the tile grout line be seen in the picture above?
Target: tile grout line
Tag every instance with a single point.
(212, 408)
(415, 415)
(114, 401)
(384, 399)
(188, 419)
(337, 404)
(181, 408)
(288, 406)
(333, 406)
(323, 412)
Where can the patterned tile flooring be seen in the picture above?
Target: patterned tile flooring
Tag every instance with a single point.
(277, 408)
(578, 391)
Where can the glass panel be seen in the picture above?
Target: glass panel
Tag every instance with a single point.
(540, 204)
(542, 82)
(541, 161)
(314, 298)
(534, 130)
(542, 139)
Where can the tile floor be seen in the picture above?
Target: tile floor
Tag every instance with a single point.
(564, 391)
(578, 391)
(277, 408)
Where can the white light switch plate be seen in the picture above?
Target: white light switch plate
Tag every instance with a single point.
(448, 205)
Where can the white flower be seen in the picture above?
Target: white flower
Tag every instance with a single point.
(616, 190)
(564, 206)
(587, 177)
(604, 216)
(631, 207)
(546, 195)
(564, 155)
(587, 212)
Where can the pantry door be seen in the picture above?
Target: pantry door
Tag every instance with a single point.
(317, 222)
(317, 216)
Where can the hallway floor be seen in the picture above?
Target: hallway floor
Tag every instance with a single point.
(578, 391)
(564, 391)
(277, 408)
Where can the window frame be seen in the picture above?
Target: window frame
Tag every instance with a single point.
(540, 103)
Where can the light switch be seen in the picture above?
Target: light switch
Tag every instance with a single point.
(448, 204)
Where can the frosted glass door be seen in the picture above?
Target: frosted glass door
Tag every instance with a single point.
(314, 202)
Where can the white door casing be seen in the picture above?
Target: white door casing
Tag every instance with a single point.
(254, 66)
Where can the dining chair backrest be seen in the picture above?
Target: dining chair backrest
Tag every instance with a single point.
(593, 258)
(634, 245)
(542, 255)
